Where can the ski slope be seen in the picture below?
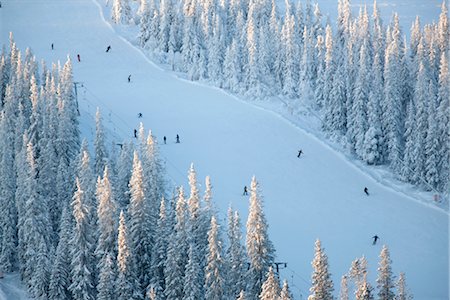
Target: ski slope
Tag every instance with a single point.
(319, 195)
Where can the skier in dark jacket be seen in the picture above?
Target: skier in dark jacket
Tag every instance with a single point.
(79, 57)
(129, 78)
(366, 190)
(165, 139)
(108, 48)
(375, 239)
(178, 139)
(245, 191)
(300, 152)
(135, 133)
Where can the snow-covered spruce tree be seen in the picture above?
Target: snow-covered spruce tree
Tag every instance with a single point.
(176, 251)
(251, 69)
(166, 10)
(61, 268)
(328, 80)
(35, 231)
(139, 226)
(343, 293)
(121, 12)
(8, 217)
(101, 155)
(106, 278)
(385, 280)
(285, 293)
(68, 137)
(290, 52)
(82, 265)
(322, 286)
(124, 168)
(365, 290)
(193, 282)
(260, 251)
(432, 141)
(235, 256)
(271, 287)
(443, 29)
(421, 99)
(126, 287)
(357, 271)
(159, 251)
(105, 251)
(393, 108)
(241, 296)
(214, 277)
(197, 226)
(154, 183)
(360, 99)
(443, 117)
(402, 291)
(373, 141)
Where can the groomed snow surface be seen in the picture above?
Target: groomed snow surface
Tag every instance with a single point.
(319, 195)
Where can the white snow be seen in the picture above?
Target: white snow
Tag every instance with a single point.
(11, 288)
(319, 195)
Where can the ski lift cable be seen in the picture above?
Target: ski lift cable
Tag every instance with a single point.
(102, 103)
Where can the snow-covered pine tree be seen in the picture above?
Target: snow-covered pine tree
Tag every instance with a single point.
(214, 277)
(260, 250)
(271, 287)
(385, 280)
(322, 285)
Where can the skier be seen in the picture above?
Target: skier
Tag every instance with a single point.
(52, 46)
(300, 152)
(366, 190)
(375, 239)
(165, 139)
(129, 78)
(245, 191)
(178, 139)
(79, 57)
(135, 133)
(139, 115)
(108, 48)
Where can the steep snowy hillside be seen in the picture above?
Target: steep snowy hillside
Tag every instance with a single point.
(319, 195)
